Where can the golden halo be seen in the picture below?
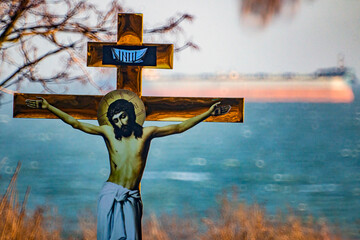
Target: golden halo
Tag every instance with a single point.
(112, 96)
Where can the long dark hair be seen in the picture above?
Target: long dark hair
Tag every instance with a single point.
(124, 105)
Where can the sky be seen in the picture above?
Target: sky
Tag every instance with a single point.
(311, 38)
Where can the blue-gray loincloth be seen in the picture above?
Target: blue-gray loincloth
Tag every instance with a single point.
(119, 213)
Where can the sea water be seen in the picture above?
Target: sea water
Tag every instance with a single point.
(305, 156)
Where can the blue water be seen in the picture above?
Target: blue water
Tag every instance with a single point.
(302, 155)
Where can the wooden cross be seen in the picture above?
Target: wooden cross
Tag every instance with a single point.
(109, 54)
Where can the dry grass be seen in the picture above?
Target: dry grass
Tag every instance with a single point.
(16, 224)
(234, 220)
(238, 221)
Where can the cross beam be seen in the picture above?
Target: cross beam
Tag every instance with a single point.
(130, 29)
(157, 108)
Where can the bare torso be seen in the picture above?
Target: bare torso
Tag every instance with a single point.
(127, 157)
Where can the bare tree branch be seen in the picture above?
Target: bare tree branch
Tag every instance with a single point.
(13, 19)
(172, 25)
(31, 63)
(187, 45)
(29, 27)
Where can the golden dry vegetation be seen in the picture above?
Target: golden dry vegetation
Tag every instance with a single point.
(233, 220)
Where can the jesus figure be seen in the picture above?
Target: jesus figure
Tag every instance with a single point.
(119, 209)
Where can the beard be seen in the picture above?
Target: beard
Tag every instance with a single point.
(124, 131)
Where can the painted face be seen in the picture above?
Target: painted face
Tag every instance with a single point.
(120, 119)
(122, 126)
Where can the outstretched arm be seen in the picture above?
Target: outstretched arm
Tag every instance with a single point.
(214, 110)
(85, 127)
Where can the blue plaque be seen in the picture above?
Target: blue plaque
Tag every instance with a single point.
(129, 55)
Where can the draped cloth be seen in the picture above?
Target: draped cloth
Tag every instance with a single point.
(119, 213)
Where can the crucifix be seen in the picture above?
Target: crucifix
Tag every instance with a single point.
(127, 48)
(120, 122)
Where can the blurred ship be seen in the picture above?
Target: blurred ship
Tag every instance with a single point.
(324, 85)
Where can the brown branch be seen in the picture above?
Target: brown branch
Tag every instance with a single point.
(80, 64)
(63, 26)
(187, 45)
(36, 61)
(24, 22)
(43, 81)
(171, 25)
(19, 11)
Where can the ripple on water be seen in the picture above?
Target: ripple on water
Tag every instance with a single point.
(180, 176)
